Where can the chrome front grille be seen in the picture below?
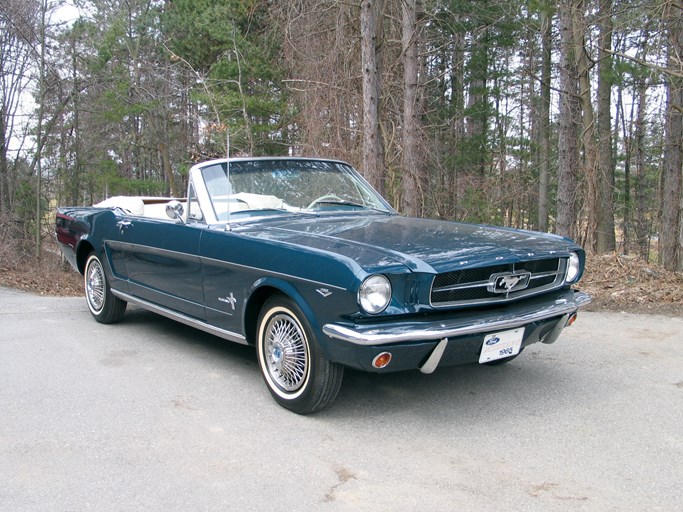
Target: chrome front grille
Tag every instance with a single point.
(479, 285)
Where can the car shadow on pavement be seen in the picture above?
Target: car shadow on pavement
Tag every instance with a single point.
(469, 391)
(185, 338)
(466, 393)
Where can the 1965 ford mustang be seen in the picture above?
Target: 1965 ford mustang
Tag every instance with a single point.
(304, 260)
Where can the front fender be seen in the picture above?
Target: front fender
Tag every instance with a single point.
(265, 287)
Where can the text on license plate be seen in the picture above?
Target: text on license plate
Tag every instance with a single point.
(501, 344)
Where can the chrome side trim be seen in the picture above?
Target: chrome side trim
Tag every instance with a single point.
(149, 249)
(128, 246)
(463, 324)
(265, 272)
(183, 319)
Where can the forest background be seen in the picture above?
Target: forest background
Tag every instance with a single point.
(562, 116)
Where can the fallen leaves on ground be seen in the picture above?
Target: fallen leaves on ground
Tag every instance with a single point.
(627, 283)
(616, 282)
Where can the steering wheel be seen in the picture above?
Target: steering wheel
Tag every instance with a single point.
(225, 215)
(323, 198)
(233, 199)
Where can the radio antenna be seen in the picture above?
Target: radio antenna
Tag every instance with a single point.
(227, 169)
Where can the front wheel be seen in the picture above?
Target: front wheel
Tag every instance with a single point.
(297, 374)
(103, 305)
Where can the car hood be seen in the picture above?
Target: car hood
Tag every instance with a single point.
(376, 241)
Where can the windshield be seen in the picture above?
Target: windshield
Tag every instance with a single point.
(288, 185)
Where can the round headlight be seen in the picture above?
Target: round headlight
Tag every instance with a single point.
(374, 294)
(573, 268)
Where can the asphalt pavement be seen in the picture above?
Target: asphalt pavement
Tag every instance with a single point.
(151, 415)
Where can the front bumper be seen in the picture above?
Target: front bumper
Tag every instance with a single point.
(456, 338)
(510, 317)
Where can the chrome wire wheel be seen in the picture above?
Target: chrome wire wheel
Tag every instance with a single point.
(298, 375)
(103, 305)
(95, 285)
(286, 353)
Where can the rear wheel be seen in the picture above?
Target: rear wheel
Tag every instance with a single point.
(103, 305)
(297, 374)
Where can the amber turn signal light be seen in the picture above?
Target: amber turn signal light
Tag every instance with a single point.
(381, 360)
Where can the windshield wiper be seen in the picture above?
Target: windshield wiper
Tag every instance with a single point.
(340, 203)
(245, 216)
(352, 204)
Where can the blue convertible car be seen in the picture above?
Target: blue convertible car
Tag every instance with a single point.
(304, 260)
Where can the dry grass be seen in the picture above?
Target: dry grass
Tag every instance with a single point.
(618, 283)
(49, 276)
(626, 283)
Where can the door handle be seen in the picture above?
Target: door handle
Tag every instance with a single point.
(123, 224)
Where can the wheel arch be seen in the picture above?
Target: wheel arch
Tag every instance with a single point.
(251, 312)
(262, 290)
(83, 250)
(293, 365)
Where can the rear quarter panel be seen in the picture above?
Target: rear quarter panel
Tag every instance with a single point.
(82, 230)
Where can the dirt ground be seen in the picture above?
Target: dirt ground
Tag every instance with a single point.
(627, 283)
(617, 283)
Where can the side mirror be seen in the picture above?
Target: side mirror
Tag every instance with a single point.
(175, 210)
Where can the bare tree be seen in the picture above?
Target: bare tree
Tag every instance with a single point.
(569, 119)
(373, 147)
(588, 130)
(641, 225)
(672, 201)
(17, 36)
(40, 136)
(438, 103)
(544, 116)
(413, 173)
(605, 240)
(320, 50)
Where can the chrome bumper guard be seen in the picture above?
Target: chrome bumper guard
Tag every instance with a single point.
(466, 323)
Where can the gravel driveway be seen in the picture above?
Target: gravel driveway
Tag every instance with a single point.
(152, 415)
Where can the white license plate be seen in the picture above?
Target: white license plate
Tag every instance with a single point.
(501, 344)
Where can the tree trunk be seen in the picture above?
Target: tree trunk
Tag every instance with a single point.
(476, 122)
(4, 168)
(672, 201)
(373, 147)
(605, 230)
(569, 119)
(457, 121)
(641, 225)
(76, 173)
(628, 139)
(544, 118)
(168, 170)
(588, 142)
(410, 158)
(39, 130)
